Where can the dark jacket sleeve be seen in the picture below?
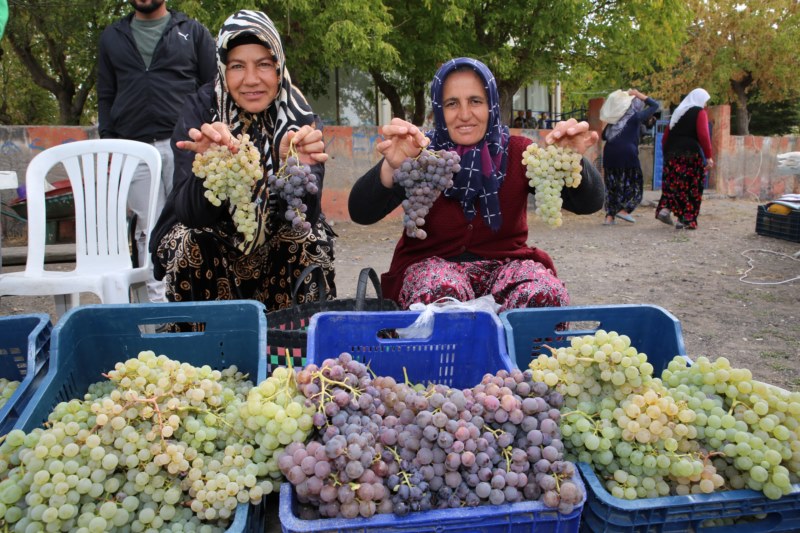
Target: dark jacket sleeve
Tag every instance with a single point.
(207, 55)
(106, 87)
(188, 194)
(647, 112)
(369, 200)
(588, 197)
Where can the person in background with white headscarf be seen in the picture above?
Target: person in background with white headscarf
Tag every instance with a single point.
(624, 112)
(477, 230)
(195, 245)
(687, 156)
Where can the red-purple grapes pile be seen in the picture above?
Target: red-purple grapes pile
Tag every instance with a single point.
(423, 178)
(382, 446)
(292, 182)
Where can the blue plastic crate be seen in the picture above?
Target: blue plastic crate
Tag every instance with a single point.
(463, 347)
(89, 340)
(657, 333)
(603, 513)
(523, 517)
(652, 330)
(24, 352)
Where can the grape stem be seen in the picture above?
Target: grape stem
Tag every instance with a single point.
(402, 473)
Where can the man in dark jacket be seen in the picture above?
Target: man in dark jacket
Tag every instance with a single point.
(148, 62)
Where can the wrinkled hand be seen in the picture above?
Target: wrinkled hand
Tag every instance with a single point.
(573, 134)
(208, 134)
(401, 140)
(308, 143)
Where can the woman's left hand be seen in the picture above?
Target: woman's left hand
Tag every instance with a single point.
(308, 143)
(573, 134)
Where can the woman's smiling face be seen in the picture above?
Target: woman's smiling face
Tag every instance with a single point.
(252, 77)
(466, 107)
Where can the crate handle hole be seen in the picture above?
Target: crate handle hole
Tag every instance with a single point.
(578, 327)
(171, 328)
(388, 333)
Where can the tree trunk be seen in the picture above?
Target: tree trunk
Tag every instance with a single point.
(390, 92)
(506, 90)
(419, 107)
(742, 115)
(63, 89)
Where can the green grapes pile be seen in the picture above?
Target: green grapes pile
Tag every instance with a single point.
(277, 414)
(160, 446)
(231, 176)
(698, 429)
(549, 170)
(7, 389)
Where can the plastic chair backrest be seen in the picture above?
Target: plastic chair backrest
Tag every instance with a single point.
(100, 172)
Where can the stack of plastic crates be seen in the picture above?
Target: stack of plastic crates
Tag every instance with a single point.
(24, 352)
(90, 340)
(462, 347)
(657, 333)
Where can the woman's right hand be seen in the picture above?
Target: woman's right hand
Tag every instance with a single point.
(401, 140)
(208, 134)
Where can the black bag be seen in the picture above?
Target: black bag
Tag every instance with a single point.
(287, 328)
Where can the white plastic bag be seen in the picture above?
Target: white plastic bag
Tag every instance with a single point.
(423, 325)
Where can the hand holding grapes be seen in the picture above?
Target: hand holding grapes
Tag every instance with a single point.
(401, 141)
(208, 134)
(573, 134)
(308, 144)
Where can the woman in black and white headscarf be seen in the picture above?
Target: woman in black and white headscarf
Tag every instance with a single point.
(623, 112)
(195, 245)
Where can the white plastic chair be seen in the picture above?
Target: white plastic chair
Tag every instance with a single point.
(100, 172)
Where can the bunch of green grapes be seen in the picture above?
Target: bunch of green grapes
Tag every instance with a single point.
(276, 414)
(160, 446)
(7, 389)
(622, 420)
(549, 170)
(231, 176)
(754, 424)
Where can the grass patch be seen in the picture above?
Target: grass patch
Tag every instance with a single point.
(779, 367)
(737, 296)
(775, 355)
(769, 297)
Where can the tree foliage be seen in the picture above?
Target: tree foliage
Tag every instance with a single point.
(738, 50)
(56, 41)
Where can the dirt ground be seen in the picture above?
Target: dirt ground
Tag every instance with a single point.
(698, 276)
(695, 275)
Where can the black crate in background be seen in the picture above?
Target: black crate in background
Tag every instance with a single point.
(786, 227)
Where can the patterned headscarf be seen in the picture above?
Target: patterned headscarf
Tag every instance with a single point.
(697, 98)
(483, 166)
(614, 128)
(288, 112)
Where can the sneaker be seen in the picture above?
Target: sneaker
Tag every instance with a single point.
(679, 225)
(665, 216)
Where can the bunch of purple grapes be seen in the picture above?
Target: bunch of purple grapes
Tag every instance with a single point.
(423, 178)
(383, 446)
(292, 182)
